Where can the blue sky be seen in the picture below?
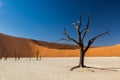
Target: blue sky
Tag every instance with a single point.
(46, 19)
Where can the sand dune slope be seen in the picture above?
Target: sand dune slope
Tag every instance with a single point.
(13, 46)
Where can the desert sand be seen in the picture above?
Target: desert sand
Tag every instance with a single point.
(54, 68)
(107, 68)
(22, 47)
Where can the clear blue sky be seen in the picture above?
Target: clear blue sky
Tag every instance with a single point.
(46, 19)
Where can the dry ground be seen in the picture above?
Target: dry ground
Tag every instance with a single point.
(106, 68)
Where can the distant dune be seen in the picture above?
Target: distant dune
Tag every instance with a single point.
(11, 46)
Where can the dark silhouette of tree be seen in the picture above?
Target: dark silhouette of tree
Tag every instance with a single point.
(40, 56)
(4, 50)
(18, 56)
(0, 57)
(37, 55)
(15, 53)
(6, 56)
(15, 57)
(5, 53)
(80, 42)
(30, 57)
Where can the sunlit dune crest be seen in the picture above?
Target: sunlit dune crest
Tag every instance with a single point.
(22, 47)
(117, 45)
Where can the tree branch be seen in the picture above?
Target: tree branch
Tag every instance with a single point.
(75, 67)
(94, 38)
(86, 29)
(63, 39)
(78, 30)
(78, 26)
(70, 38)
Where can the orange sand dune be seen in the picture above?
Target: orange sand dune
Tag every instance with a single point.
(13, 46)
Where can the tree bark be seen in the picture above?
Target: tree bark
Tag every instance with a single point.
(82, 55)
(81, 61)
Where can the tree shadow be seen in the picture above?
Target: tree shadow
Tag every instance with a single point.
(94, 68)
(109, 69)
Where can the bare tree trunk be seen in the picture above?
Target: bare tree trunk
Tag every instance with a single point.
(37, 57)
(18, 57)
(30, 58)
(81, 62)
(40, 57)
(6, 56)
(15, 57)
(0, 57)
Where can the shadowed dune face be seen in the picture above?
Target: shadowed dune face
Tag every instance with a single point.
(55, 45)
(13, 46)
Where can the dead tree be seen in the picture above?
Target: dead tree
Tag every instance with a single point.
(80, 42)
(30, 57)
(1, 57)
(37, 55)
(6, 56)
(4, 51)
(15, 54)
(1, 54)
(40, 57)
(18, 56)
